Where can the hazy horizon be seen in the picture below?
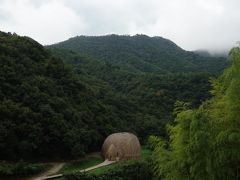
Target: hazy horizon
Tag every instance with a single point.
(191, 24)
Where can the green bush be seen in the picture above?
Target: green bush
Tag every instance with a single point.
(141, 170)
(20, 169)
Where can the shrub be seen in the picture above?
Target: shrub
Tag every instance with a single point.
(20, 169)
(141, 170)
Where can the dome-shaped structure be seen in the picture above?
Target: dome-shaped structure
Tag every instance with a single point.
(121, 146)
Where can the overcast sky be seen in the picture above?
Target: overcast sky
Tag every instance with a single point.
(192, 24)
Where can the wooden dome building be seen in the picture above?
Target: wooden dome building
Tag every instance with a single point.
(121, 146)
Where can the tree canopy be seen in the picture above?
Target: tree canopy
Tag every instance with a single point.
(205, 142)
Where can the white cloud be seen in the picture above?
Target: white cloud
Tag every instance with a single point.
(192, 24)
(47, 22)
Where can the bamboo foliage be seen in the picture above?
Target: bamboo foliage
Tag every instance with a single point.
(205, 142)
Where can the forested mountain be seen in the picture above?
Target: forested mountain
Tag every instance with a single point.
(141, 53)
(154, 94)
(44, 107)
(60, 103)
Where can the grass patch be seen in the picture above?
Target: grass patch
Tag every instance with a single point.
(145, 154)
(89, 161)
(132, 169)
(104, 169)
(93, 160)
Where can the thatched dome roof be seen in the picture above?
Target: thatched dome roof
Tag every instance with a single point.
(120, 146)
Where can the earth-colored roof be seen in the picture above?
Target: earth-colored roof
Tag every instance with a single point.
(121, 146)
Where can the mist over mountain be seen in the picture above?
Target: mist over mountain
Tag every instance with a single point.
(212, 53)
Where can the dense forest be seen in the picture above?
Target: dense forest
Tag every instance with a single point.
(57, 102)
(205, 142)
(141, 53)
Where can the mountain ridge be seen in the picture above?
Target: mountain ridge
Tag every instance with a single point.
(141, 53)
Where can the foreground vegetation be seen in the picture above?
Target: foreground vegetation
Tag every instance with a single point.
(205, 142)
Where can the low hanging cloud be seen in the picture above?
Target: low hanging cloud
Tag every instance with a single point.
(192, 24)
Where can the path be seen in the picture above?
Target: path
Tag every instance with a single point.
(105, 163)
(54, 169)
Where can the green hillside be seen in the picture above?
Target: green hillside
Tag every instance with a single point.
(45, 109)
(50, 109)
(141, 53)
(152, 95)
